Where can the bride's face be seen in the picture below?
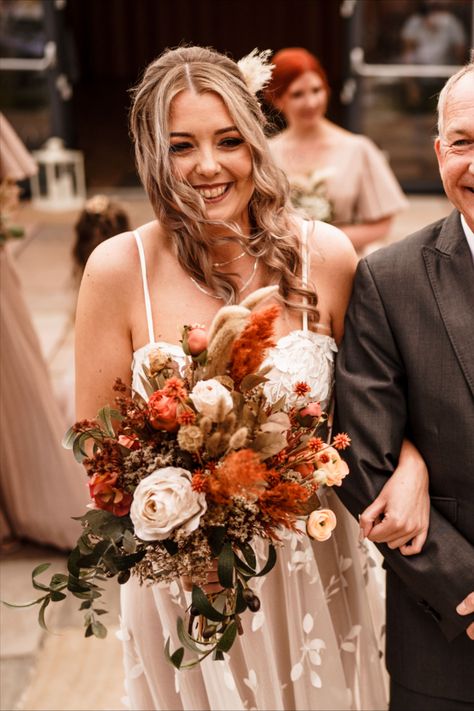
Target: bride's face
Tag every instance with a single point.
(208, 152)
(305, 101)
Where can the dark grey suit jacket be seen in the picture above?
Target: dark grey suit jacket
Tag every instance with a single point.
(406, 367)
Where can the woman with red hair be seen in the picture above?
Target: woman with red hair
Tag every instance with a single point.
(335, 175)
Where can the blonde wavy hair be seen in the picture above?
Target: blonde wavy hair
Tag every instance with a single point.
(181, 210)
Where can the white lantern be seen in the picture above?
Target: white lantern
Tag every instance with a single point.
(59, 183)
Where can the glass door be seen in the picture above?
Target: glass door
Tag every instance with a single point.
(401, 53)
(36, 70)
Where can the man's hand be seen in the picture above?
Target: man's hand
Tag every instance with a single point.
(465, 608)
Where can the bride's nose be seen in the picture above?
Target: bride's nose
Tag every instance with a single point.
(208, 164)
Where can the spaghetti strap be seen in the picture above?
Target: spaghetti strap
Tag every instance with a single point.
(304, 267)
(146, 293)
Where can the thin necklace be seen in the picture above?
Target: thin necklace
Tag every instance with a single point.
(242, 288)
(230, 261)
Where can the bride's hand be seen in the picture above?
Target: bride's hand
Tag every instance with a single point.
(400, 514)
(212, 586)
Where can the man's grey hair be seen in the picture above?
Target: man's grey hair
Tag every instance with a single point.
(447, 89)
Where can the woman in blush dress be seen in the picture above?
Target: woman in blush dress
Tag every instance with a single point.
(335, 175)
(224, 227)
(40, 484)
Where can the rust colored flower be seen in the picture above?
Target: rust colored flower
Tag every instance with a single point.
(174, 388)
(283, 503)
(341, 440)
(250, 349)
(199, 481)
(315, 444)
(186, 417)
(107, 496)
(240, 474)
(301, 388)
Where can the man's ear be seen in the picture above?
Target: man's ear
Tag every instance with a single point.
(437, 147)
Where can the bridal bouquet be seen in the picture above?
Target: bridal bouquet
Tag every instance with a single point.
(195, 474)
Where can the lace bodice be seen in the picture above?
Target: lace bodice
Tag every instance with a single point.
(299, 356)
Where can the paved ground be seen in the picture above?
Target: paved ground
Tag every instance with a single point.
(62, 670)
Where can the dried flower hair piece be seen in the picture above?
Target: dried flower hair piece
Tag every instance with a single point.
(256, 69)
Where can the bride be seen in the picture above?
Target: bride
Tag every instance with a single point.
(223, 228)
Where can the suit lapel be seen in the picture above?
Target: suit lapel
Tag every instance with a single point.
(450, 270)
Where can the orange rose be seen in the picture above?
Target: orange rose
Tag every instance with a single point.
(331, 466)
(107, 496)
(305, 468)
(197, 340)
(320, 524)
(163, 412)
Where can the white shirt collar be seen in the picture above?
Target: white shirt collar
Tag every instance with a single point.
(469, 234)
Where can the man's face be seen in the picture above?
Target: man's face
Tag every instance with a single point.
(455, 148)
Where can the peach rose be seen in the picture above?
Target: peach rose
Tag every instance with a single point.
(163, 412)
(194, 340)
(107, 496)
(329, 463)
(320, 524)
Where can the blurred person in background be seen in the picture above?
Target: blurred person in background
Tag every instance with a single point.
(40, 484)
(335, 175)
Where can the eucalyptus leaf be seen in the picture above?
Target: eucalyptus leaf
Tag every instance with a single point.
(99, 630)
(69, 437)
(104, 417)
(228, 638)
(41, 612)
(225, 566)
(271, 560)
(200, 601)
(248, 553)
(216, 539)
(56, 596)
(177, 657)
(185, 638)
(267, 444)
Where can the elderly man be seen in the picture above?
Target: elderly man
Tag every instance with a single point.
(406, 368)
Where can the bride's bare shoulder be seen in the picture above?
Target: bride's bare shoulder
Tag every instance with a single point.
(115, 260)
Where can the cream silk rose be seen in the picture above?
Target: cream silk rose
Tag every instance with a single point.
(164, 501)
(211, 399)
(329, 463)
(320, 524)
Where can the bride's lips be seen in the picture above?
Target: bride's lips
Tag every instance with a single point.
(213, 193)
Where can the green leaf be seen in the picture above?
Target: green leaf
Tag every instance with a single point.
(58, 581)
(129, 542)
(79, 453)
(88, 632)
(99, 630)
(24, 604)
(228, 638)
(170, 546)
(225, 566)
(125, 562)
(248, 553)
(243, 568)
(56, 596)
(186, 639)
(73, 562)
(200, 601)
(69, 437)
(101, 612)
(216, 539)
(218, 656)
(85, 605)
(37, 571)
(177, 657)
(42, 611)
(272, 557)
(104, 416)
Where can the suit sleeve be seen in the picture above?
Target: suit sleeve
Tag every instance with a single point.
(371, 405)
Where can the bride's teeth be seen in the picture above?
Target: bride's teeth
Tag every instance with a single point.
(212, 192)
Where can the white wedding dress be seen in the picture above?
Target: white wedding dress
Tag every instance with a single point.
(316, 641)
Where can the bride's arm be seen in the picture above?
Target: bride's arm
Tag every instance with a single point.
(400, 514)
(103, 345)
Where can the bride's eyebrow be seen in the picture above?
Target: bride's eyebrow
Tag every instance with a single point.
(227, 129)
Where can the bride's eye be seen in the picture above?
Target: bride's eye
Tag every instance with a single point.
(180, 147)
(231, 142)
